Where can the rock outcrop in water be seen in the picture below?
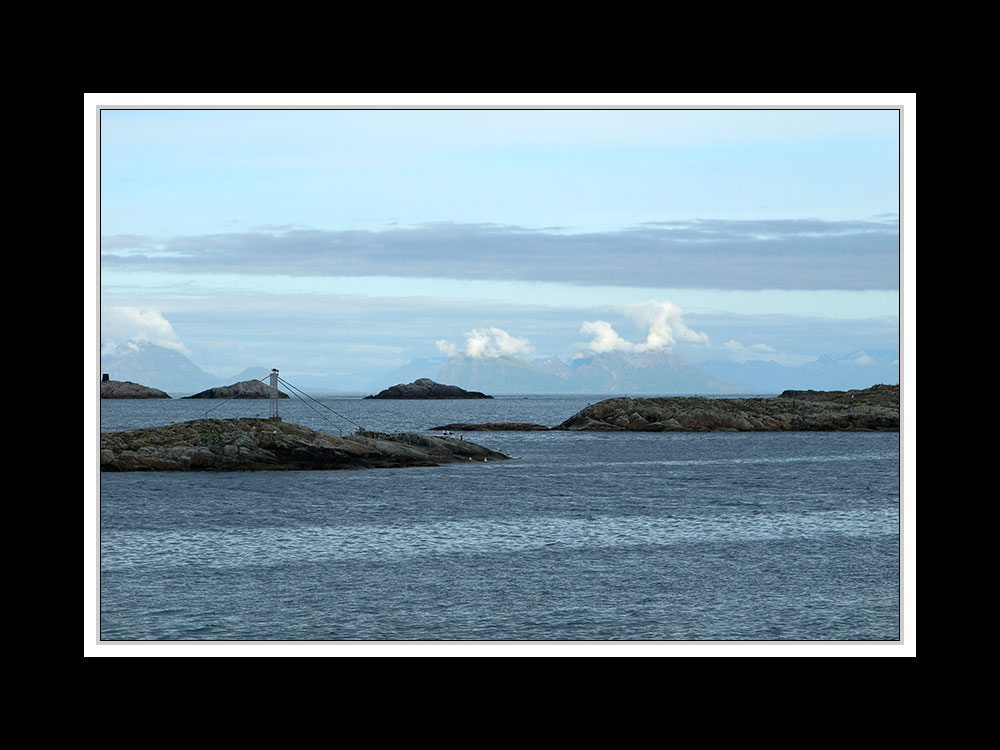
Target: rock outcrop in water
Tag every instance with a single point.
(243, 389)
(128, 389)
(254, 444)
(872, 409)
(427, 388)
(495, 426)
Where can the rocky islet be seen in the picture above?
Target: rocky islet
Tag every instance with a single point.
(128, 389)
(874, 409)
(271, 444)
(243, 389)
(491, 426)
(428, 389)
(255, 444)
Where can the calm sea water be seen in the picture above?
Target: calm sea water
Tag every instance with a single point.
(586, 536)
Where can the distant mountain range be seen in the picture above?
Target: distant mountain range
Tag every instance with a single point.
(612, 372)
(660, 372)
(157, 367)
(830, 372)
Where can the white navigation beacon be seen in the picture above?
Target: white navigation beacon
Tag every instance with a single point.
(274, 392)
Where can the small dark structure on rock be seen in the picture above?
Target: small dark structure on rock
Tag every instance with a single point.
(127, 389)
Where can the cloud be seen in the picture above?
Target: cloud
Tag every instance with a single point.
(508, 345)
(483, 343)
(716, 254)
(736, 346)
(663, 323)
(605, 339)
(663, 319)
(123, 326)
(128, 242)
(447, 348)
(741, 352)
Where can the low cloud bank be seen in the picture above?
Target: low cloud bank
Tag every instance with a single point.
(789, 254)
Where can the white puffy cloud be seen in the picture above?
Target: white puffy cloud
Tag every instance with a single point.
(488, 343)
(661, 319)
(122, 326)
(508, 345)
(446, 347)
(665, 324)
(605, 338)
(477, 342)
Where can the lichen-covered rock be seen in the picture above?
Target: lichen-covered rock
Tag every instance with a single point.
(251, 444)
(637, 422)
(872, 409)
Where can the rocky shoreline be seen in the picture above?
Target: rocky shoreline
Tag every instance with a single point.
(874, 409)
(255, 444)
(252, 444)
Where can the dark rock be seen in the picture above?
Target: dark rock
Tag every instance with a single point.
(495, 426)
(872, 409)
(253, 444)
(128, 389)
(426, 388)
(243, 389)
(877, 395)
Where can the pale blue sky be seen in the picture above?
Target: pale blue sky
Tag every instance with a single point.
(352, 240)
(166, 173)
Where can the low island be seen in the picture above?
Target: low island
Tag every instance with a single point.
(254, 444)
(128, 389)
(874, 409)
(427, 388)
(490, 426)
(243, 389)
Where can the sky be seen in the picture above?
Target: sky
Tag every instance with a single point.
(348, 241)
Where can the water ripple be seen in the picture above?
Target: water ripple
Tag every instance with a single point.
(233, 548)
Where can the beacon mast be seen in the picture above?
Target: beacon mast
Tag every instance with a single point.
(274, 393)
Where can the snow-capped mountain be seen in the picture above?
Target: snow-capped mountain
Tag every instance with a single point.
(830, 372)
(167, 369)
(612, 372)
(156, 367)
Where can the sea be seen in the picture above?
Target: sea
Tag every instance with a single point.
(790, 537)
